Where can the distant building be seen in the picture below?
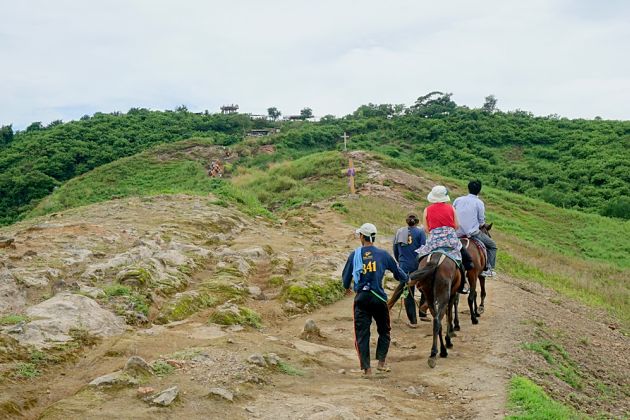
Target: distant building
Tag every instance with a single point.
(229, 109)
(262, 132)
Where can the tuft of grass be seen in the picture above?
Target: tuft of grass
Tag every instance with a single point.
(26, 371)
(117, 290)
(556, 356)
(161, 368)
(288, 369)
(13, 319)
(527, 400)
(189, 305)
(339, 207)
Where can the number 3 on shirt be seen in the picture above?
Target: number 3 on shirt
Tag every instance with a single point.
(370, 267)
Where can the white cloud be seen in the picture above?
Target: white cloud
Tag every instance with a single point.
(66, 58)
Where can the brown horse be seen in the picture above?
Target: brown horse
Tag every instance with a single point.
(438, 278)
(474, 274)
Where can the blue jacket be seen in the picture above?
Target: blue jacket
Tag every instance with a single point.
(375, 262)
(405, 253)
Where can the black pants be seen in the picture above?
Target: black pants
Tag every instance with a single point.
(366, 307)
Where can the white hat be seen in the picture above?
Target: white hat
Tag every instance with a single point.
(439, 194)
(367, 229)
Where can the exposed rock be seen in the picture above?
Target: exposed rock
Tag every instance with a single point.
(145, 391)
(272, 359)
(174, 258)
(166, 397)
(12, 297)
(118, 378)
(6, 242)
(92, 292)
(311, 331)
(222, 393)
(137, 366)
(228, 309)
(53, 319)
(256, 293)
(256, 252)
(257, 359)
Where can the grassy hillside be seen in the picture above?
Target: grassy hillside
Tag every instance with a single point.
(34, 161)
(579, 164)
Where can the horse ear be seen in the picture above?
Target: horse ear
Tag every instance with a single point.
(489, 226)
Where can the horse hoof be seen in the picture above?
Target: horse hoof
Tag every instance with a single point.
(431, 362)
(475, 321)
(478, 314)
(448, 346)
(481, 309)
(456, 328)
(443, 355)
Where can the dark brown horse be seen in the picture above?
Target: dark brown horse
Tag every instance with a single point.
(474, 274)
(438, 278)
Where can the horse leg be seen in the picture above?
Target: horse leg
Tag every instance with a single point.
(455, 317)
(449, 331)
(472, 296)
(436, 331)
(482, 281)
(443, 352)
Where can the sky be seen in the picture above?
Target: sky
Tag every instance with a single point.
(66, 58)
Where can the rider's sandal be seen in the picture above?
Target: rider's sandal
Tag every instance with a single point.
(384, 369)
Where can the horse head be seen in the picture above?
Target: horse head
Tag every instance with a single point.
(485, 228)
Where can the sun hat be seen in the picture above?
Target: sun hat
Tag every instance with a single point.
(439, 194)
(367, 229)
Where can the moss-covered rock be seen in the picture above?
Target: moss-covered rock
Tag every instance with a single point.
(137, 277)
(313, 292)
(231, 314)
(185, 304)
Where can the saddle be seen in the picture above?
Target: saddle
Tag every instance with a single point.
(480, 246)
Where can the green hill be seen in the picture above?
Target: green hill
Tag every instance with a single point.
(578, 164)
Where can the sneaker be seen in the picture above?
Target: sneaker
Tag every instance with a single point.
(489, 273)
(465, 290)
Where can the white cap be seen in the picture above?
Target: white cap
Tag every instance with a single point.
(439, 194)
(367, 229)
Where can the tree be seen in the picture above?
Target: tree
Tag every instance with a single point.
(273, 113)
(6, 134)
(433, 104)
(36, 126)
(182, 108)
(306, 113)
(490, 104)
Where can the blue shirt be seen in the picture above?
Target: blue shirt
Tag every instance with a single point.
(471, 214)
(405, 252)
(375, 263)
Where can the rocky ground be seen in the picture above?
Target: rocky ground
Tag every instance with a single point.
(173, 307)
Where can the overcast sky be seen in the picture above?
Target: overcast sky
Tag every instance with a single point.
(64, 59)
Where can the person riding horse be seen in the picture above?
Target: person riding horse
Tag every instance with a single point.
(440, 223)
(470, 211)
